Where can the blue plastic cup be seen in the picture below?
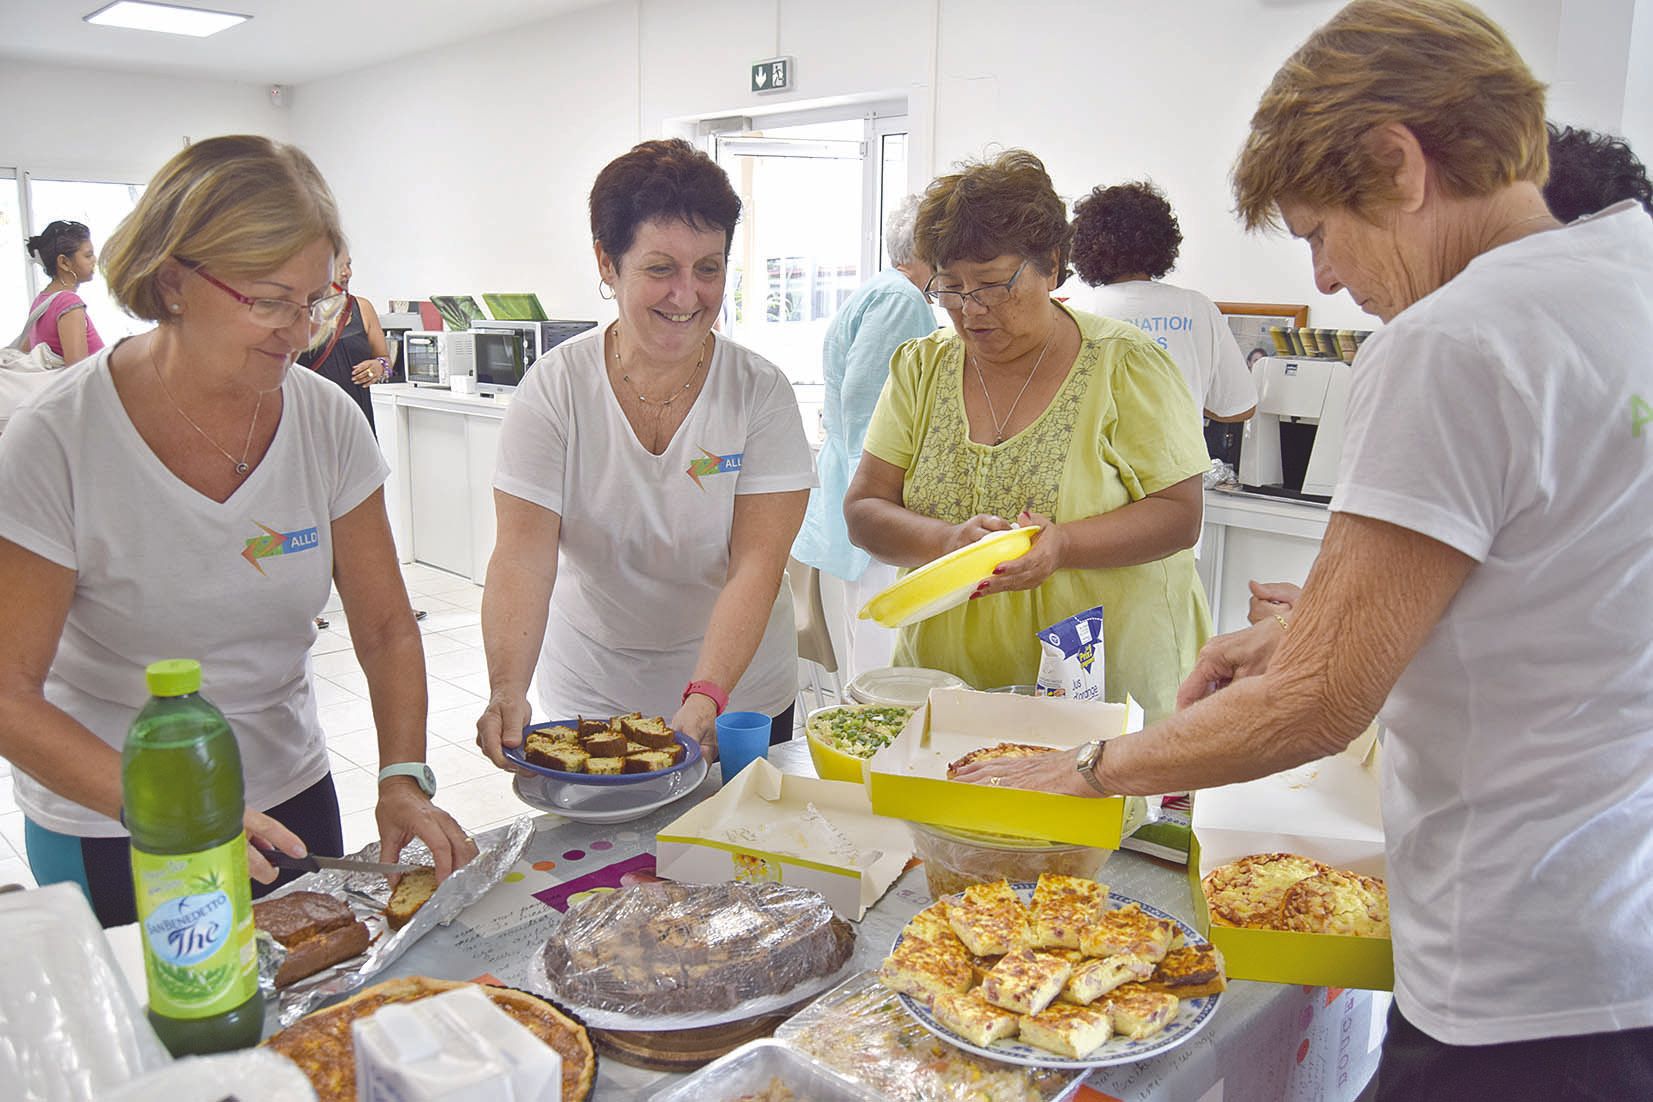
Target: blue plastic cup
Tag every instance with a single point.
(742, 738)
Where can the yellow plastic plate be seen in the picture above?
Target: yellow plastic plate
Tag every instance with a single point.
(948, 581)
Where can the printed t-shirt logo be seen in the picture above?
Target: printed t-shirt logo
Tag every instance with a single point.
(709, 465)
(278, 543)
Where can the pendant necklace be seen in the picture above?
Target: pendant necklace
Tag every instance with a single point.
(998, 425)
(240, 465)
(660, 404)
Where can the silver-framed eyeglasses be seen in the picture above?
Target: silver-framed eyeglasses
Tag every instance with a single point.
(988, 295)
(276, 313)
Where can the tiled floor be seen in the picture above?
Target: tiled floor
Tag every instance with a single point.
(471, 790)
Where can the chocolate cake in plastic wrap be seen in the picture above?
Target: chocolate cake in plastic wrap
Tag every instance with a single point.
(667, 949)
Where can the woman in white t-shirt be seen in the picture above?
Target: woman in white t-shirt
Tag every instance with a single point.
(1486, 580)
(184, 494)
(654, 474)
(1125, 240)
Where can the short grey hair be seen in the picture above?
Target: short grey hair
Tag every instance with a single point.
(898, 231)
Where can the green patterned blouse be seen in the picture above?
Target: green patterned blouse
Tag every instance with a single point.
(1118, 430)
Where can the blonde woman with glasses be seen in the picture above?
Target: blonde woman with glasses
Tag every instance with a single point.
(186, 494)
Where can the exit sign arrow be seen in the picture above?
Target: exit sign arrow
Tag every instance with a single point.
(773, 74)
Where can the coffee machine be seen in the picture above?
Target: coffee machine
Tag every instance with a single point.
(1294, 441)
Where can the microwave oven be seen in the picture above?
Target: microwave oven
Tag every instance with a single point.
(498, 360)
(538, 337)
(425, 357)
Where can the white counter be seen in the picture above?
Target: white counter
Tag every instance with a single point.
(440, 447)
(1248, 536)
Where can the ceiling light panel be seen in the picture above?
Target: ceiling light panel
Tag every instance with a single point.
(140, 15)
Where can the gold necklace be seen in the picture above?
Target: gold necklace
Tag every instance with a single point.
(660, 405)
(998, 425)
(241, 467)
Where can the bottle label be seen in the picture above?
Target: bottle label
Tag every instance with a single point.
(196, 913)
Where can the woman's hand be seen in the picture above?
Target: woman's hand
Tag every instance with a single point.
(367, 372)
(1056, 772)
(698, 719)
(1028, 571)
(1227, 658)
(501, 725)
(1271, 599)
(264, 832)
(975, 528)
(405, 813)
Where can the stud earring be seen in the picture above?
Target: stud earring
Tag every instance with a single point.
(176, 308)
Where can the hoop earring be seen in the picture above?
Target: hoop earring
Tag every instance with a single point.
(604, 291)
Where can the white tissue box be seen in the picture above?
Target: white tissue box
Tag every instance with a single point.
(453, 1047)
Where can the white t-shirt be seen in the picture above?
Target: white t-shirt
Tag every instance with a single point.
(1190, 328)
(644, 545)
(165, 572)
(1499, 416)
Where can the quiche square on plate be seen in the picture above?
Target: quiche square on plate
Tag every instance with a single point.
(1130, 931)
(925, 969)
(1025, 982)
(1062, 907)
(1068, 1030)
(974, 1018)
(1095, 978)
(990, 919)
(1137, 1012)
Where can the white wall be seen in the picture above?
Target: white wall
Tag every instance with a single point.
(67, 123)
(1102, 92)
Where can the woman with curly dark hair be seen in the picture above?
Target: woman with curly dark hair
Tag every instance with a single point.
(1125, 239)
(1589, 172)
(1028, 411)
(655, 474)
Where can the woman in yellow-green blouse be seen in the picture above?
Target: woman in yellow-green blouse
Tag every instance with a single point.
(1028, 412)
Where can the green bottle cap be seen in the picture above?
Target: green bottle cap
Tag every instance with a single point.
(173, 677)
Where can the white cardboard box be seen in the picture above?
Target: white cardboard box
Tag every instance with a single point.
(759, 828)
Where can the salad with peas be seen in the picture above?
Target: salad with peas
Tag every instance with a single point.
(860, 730)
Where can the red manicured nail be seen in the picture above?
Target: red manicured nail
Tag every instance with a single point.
(998, 570)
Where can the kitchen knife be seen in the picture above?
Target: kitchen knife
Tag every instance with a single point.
(315, 863)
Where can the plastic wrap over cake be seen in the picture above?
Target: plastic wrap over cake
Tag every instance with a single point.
(669, 955)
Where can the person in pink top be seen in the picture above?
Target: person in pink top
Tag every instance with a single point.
(64, 250)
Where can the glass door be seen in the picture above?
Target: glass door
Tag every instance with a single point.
(814, 195)
(15, 286)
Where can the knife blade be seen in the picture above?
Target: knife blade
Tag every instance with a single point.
(315, 863)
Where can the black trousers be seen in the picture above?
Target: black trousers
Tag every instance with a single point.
(1610, 1067)
(780, 727)
(313, 815)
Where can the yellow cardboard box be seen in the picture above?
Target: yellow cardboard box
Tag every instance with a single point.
(908, 778)
(769, 825)
(1327, 810)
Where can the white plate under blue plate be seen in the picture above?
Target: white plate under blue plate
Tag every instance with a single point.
(1192, 1014)
(691, 754)
(588, 803)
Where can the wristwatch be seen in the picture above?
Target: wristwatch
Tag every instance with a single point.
(1090, 755)
(423, 775)
(709, 690)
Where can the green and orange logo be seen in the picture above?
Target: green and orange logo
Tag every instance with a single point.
(273, 543)
(709, 465)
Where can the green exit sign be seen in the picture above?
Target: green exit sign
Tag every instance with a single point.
(773, 74)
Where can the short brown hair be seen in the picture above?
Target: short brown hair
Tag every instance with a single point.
(662, 179)
(241, 205)
(1440, 68)
(991, 208)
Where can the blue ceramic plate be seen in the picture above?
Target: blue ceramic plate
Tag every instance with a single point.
(1192, 1014)
(514, 753)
